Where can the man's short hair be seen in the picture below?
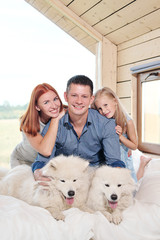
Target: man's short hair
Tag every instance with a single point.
(82, 80)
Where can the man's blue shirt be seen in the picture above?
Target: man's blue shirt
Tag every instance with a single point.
(98, 142)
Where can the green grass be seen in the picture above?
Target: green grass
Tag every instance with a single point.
(10, 136)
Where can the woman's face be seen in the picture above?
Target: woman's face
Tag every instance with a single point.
(106, 106)
(48, 105)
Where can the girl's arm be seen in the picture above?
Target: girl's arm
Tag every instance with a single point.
(44, 145)
(132, 141)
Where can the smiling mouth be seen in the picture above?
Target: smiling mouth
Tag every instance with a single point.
(112, 204)
(54, 111)
(69, 200)
(78, 107)
(107, 114)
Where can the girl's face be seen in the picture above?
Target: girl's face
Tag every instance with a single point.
(48, 105)
(106, 106)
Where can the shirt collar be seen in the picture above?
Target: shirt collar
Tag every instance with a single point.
(67, 122)
(89, 119)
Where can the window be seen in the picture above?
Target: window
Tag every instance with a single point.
(148, 115)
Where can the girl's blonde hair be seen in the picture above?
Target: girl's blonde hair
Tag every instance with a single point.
(120, 113)
(30, 119)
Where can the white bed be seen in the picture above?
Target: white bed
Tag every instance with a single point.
(20, 221)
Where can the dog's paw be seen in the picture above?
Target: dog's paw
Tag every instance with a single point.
(116, 218)
(58, 215)
(108, 216)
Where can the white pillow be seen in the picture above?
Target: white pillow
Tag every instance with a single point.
(149, 190)
(152, 166)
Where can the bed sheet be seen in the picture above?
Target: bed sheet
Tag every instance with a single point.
(141, 221)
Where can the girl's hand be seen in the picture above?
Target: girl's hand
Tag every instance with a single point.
(129, 152)
(118, 130)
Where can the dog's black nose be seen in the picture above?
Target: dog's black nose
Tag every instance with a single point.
(114, 197)
(71, 193)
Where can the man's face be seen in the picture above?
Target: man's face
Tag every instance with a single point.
(79, 99)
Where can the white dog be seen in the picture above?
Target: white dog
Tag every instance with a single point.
(3, 172)
(111, 192)
(68, 187)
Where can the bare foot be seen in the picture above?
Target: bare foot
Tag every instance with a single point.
(144, 160)
(143, 163)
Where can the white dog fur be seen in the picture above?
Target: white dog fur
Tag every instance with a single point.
(68, 187)
(111, 192)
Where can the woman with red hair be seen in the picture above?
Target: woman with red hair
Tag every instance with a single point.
(45, 104)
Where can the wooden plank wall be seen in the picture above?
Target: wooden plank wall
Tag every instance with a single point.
(141, 50)
(69, 22)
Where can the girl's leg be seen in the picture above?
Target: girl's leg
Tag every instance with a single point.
(143, 163)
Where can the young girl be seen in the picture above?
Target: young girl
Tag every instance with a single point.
(45, 104)
(108, 104)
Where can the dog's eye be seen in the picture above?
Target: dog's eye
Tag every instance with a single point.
(119, 185)
(74, 180)
(107, 185)
(62, 180)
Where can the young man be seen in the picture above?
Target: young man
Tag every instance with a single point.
(82, 131)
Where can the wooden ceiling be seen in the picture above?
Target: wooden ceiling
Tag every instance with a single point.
(88, 21)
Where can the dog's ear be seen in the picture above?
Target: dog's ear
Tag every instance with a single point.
(50, 167)
(53, 164)
(130, 178)
(85, 165)
(130, 185)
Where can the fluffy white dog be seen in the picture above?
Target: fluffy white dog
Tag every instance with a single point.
(111, 192)
(68, 187)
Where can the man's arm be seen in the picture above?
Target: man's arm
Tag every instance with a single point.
(36, 168)
(111, 145)
(40, 161)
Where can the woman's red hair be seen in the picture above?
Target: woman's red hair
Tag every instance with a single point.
(30, 120)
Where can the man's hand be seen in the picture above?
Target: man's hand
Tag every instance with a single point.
(42, 180)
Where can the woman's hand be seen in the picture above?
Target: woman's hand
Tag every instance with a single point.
(61, 114)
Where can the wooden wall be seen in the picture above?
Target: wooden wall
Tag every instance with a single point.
(141, 50)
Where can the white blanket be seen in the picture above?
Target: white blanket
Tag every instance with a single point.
(20, 221)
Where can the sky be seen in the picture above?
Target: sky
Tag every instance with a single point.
(34, 50)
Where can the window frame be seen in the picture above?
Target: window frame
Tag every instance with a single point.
(144, 146)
